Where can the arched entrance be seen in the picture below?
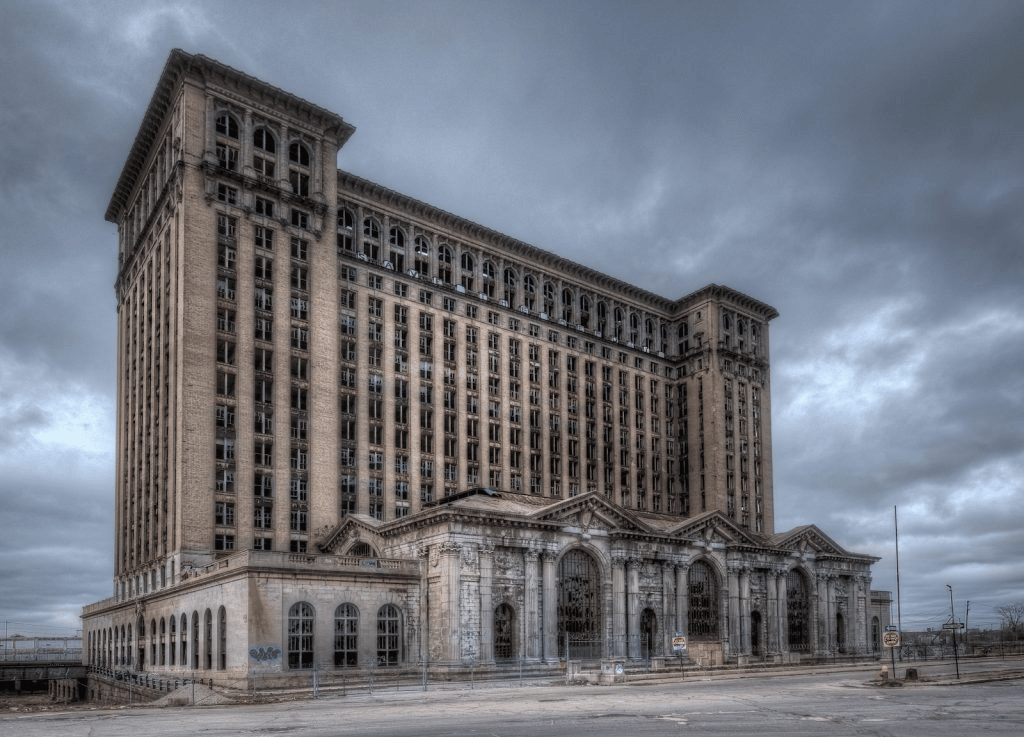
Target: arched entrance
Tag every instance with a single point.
(579, 606)
(840, 633)
(504, 633)
(797, 612)
(648, 632)
(876, 635)
(755, 632)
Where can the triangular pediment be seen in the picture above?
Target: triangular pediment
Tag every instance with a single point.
(590, 511)
(808, 538)
(713, 527)
(345, 534)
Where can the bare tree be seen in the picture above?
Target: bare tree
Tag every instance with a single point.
(1012, 616)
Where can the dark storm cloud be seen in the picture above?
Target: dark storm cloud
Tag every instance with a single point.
(856, 165)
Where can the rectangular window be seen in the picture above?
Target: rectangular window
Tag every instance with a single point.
(264, 207)
(300, 218)
(263, 237)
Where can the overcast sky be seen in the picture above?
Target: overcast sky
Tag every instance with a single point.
(859, 166)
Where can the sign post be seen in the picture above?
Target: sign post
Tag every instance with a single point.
(891, 639)
(679, 648)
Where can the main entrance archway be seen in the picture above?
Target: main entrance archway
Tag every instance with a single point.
(579, 606)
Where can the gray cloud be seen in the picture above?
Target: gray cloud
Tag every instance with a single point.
(857, 165)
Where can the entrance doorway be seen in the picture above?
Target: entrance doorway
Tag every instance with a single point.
(648, 631)
(579, 606)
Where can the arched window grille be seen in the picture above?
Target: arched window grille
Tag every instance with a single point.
(797, 610)
(388, 635)
(504, 632)
(222, 639)
(300, 635)
(208, 640)
(703, 602)
(346, 636)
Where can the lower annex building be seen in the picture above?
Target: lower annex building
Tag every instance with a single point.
(354, 429)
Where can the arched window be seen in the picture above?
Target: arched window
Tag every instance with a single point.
(174, 640)
(222, 639)
(362, 550)
(509, 279)
(371, 228)
(530, 292)
(388, 635)
(467, 262)
(227, 125)
(648, 332)
(298, 154)
(619, 318)
(163, 641)
(397, 238)
(264, 148)
(208, 640)
(183, 660)
(422, 246)
(346, 221)
(797, 611)
(152, 642)
(504, 633)
(488, 274)
(703, 602)
(584, 310)
(602, 318)
(567, 303)
(195, 640)
(549, 298)
(444, 259)
(579, 605)
(300, 635)
(634, 328)
(263, 140)
(346, 629)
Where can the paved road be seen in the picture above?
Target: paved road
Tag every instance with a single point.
(832, 703)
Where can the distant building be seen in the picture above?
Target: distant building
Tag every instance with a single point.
(353, 428)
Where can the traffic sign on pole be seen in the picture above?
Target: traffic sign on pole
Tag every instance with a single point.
(891, 639)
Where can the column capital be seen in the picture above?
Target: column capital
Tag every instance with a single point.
(486, 548)
(531, 555)
(618, 560)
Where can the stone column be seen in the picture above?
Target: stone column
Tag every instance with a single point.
(744, 584)
(633, 607)
(821, 613)
(618, 606)
(550, 613)
(668, 606)
(830, 613)
(782, 600)
(735, 639)
(486, 603)
(771, 616)
(682, 600)
(450, 555)
(532, 622)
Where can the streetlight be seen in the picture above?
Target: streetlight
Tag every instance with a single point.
(952, 620)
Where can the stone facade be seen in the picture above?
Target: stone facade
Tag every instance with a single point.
(356, 429)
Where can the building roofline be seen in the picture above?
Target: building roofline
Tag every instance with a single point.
(353, 182)
(180, 64)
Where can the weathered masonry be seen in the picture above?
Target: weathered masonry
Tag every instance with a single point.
(356, 429)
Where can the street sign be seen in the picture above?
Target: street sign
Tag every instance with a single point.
(953, 626)
(891, 639)
(679, 643)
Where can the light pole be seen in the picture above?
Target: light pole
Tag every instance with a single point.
(952, 620)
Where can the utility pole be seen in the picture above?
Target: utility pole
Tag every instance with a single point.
(952, 620)
(967, 619)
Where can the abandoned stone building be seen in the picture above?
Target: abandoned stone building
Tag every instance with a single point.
(354, 429)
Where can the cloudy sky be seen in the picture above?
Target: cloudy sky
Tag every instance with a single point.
(859, 166)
